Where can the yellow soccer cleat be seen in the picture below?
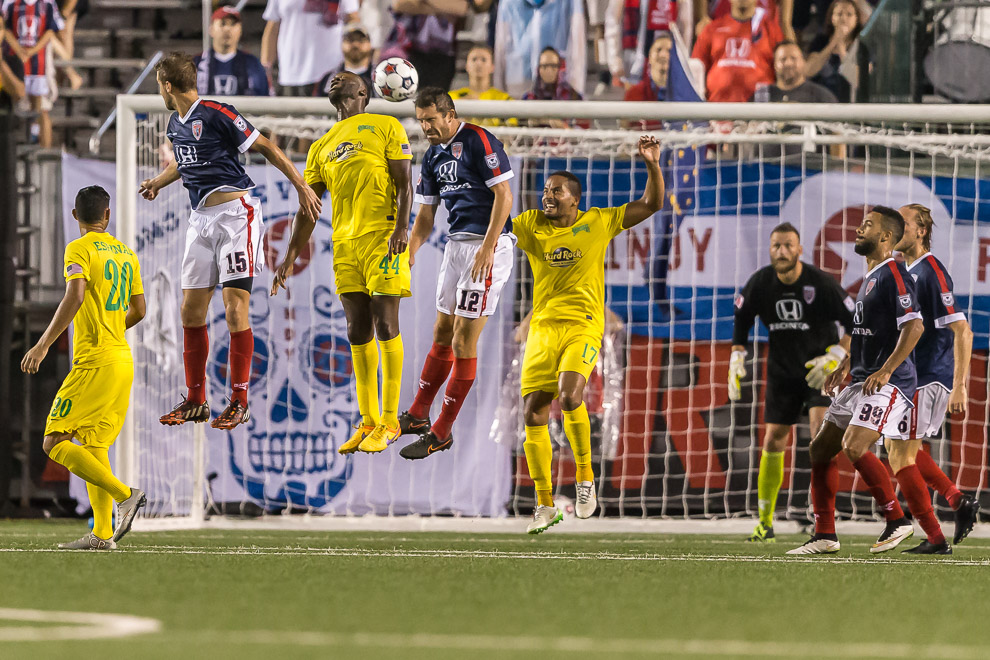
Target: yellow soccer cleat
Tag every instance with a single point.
(379, 439)
(352, 445)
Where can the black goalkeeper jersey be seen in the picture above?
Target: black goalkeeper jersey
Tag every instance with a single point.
(801, 317)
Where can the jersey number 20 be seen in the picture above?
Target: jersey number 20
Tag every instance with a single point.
(122, 277)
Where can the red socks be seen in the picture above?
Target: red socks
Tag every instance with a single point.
(916, 493)
(453, 398)
(435, 372)
(241, 354)
(935, 478)
(876, 477)
(195, 352)
(824, 486)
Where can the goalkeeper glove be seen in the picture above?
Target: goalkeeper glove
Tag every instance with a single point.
(823, 365)
(737, 371)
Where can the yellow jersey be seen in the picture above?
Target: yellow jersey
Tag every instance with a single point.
(112, 275)
(490, 94)
(569, 263)
(351, 160)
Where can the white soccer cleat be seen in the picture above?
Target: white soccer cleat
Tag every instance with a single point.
(126, 512)
(587, 500)
(544, 518)
(89, 542)
(892, 536)
(816, 546)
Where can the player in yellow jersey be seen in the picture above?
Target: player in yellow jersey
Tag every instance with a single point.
(365, 163)
(566, 249)
(103, 297)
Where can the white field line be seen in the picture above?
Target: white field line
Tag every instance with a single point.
(82, 625)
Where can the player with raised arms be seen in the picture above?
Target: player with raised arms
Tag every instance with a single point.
(802, 308)
(467, 168)
(365, 162)
(886, 327)
(224, 237)
(566, 250)
(103, 297)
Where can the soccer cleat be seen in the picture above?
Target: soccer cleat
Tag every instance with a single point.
(762, 534)
(126, 511)
(352, 445)
(966, 516)
(235, 414)
(409, 425)
(187, 411)
(929, 548)
(587, 500)
(817, 545)
(89, 542)
(544, 518)
(895, 532)
(379, 439)
(427, 444)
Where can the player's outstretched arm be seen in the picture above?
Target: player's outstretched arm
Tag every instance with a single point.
(136, 310)
(401, 173)
(75, 293)
(911, 332)
(962, 349)
(484, 258)
(309, 202)
(652, 199)
(151, 187)
(302, 229)
(422, 228)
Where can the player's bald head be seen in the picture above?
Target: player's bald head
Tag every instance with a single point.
(345, 87)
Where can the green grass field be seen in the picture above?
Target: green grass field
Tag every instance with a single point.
(264, 594)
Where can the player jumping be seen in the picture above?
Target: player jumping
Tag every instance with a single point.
(364, 161)
(801, 308)
(224, 238)
(467, 168)
(566, 249)
(886, 327)
(103, 297)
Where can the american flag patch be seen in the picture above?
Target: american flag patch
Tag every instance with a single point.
(406, 149)
(73, 269)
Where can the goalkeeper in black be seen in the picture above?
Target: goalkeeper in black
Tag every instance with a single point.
(802, 308)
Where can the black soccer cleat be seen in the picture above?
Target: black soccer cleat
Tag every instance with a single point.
(409, 425)
(966, 516)
(929, 548)
(186, 411)
(427, 444)
(233, 415)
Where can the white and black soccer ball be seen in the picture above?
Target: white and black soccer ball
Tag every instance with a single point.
(395, 79)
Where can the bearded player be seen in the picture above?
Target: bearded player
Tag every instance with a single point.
(566, 250)
(224, 238)
(365, 163)
(467, 168)
(801, 308)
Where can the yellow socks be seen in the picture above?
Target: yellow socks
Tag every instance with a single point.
(539, 458)
(88, 468)
(391, 380)
(577, 427)
(99, 499)
(365, 357)
(768, 484)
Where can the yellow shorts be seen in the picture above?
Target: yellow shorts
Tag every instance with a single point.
(362, 265)
(552, 348)
(92, 403)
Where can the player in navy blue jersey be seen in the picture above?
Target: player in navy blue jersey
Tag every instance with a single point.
(224, 238)
(886, 327)
(942, 361)
(225, 70)
(467, 169)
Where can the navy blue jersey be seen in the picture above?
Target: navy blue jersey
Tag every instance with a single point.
(885, 302)
(207, 143)
(237, 74)
(461, 173)
(933, 355)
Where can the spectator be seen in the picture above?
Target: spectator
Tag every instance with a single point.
(781, 11)
(225, 70)
(376, 18)
(737, 52)
(11, 77)
(357, 60)
(653, 86)
(832, 59)
(480, 67)
(305, 37)
(792, 86)
(65, 45)
(425, 33)
(551, 83)
(630, 33)
(29, 29)
(524, 28)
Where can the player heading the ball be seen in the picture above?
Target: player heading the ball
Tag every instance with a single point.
(365, 163)
(224, 237)
(566, 250)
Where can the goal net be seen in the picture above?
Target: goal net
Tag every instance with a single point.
(666, 440)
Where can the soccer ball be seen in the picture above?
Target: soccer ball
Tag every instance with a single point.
(395, 79)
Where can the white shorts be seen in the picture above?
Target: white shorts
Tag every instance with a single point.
(223, 243)
(882, 411)
(456, 293)
(926, 418)
(37, 86)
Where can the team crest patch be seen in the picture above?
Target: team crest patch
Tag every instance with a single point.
(739, 301)
(809, 294)
(456, 149)
(869, 286)
(240, 123)
(491, 160)
(948, 299)
(197, 129)
(905, 301)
